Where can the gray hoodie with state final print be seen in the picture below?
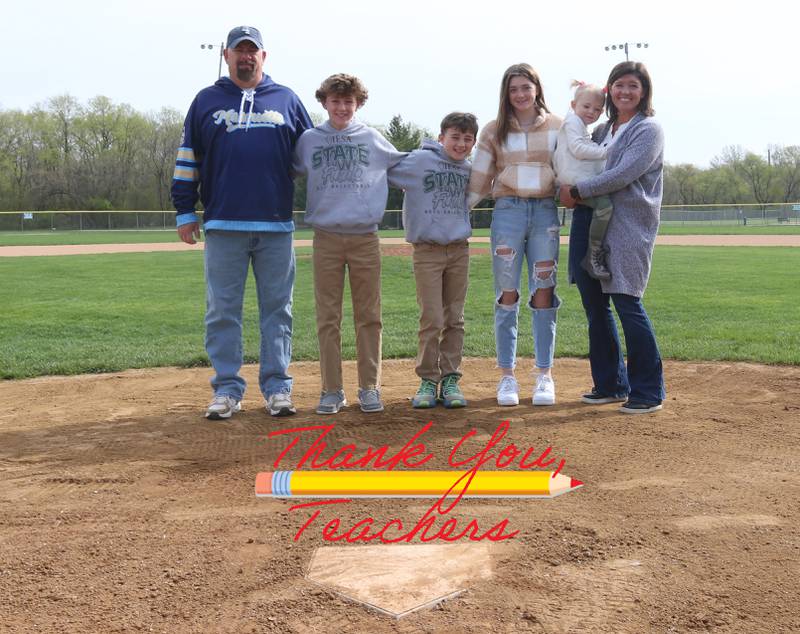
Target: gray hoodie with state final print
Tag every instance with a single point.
(435, 205)
(346, 169)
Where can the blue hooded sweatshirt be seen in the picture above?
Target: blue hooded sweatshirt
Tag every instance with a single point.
(237, 146)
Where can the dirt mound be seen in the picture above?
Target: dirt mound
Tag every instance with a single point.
(122, 509)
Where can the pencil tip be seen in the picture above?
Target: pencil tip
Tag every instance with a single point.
(575, 483)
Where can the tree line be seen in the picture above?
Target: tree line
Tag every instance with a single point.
(737, 176)
(66, 155)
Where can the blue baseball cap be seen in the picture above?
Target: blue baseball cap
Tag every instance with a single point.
(242, 33)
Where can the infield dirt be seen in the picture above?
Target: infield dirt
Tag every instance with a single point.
(122, 509)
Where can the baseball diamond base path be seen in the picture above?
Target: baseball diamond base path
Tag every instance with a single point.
(792, 240)
(122, 509)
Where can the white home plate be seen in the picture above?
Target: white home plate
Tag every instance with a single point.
(398, 580)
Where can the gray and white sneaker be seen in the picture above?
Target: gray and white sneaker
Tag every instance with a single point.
(370, 400)
(331, 402)
(223, 406)
(508, 391)
(280, 404)
(545, 392)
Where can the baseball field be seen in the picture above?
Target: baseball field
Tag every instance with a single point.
(122, 509)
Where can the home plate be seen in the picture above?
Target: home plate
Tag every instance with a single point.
(398, 580)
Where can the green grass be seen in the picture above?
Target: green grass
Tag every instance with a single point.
(74, 314)
(36, 238)
(12, 238)
(696, 228)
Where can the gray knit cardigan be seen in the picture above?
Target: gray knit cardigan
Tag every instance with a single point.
(633, 178)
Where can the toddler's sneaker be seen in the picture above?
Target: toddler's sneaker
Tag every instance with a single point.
(280, 404)
(370, 400)
(451, 395)
(331, 402)
(594, 263)
(223, 406)
(545, 392)
(508, 391)
(425, 396)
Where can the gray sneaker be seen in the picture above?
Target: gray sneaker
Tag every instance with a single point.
(370, 400)
(280, 404)
(223, 406)
(331, 402)
(594, 263)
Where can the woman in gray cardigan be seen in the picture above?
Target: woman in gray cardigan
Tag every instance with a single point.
(633, 180)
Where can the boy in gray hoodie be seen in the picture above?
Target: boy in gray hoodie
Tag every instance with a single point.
(346, 162)
(436, 221)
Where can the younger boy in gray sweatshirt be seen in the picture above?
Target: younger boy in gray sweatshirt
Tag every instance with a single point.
(436, 221)
(346, 162)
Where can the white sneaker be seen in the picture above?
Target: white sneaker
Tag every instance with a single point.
(508, 391)
(280, 404)
(223, 406)
(545, 392)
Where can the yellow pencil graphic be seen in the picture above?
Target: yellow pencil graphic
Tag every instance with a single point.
(413, 484)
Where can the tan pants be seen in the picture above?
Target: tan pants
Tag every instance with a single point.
(361, 254)
(442, 275)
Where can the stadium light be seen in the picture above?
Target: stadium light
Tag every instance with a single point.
(221, 48)
(624, 47)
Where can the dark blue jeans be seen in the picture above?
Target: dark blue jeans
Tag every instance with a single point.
(643, 380)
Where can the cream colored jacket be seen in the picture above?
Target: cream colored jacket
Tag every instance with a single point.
(522, 166)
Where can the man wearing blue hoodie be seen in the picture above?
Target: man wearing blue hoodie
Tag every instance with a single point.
(235, 156)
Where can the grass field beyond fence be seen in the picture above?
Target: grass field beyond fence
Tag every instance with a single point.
(75, 314)
(42, 238)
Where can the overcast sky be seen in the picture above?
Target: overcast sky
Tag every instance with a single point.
(723, 73)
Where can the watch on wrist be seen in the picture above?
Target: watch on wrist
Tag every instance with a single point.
(573, 191)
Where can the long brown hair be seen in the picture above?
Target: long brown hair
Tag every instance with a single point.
(506, 111)
(638, 70)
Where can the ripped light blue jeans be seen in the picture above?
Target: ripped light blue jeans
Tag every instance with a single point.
(530, 228)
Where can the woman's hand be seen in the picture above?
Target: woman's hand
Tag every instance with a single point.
(566, 198)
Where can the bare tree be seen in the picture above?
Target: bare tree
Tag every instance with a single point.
(163, 139)
(786, 160)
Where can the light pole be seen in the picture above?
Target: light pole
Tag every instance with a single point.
(624, 46)
(221, 47)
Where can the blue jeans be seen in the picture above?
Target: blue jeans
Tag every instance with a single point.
(529, 227)
(643, 380)
(228, 255)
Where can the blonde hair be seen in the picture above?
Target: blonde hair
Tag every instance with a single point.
(582, 88)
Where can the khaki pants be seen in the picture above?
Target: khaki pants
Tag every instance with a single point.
(361, 255)
(442, 275)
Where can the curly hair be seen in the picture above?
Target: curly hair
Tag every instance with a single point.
(343, 85)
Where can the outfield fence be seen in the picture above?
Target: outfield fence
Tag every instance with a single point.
(692, 215)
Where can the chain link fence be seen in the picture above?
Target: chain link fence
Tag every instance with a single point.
(41, 221)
